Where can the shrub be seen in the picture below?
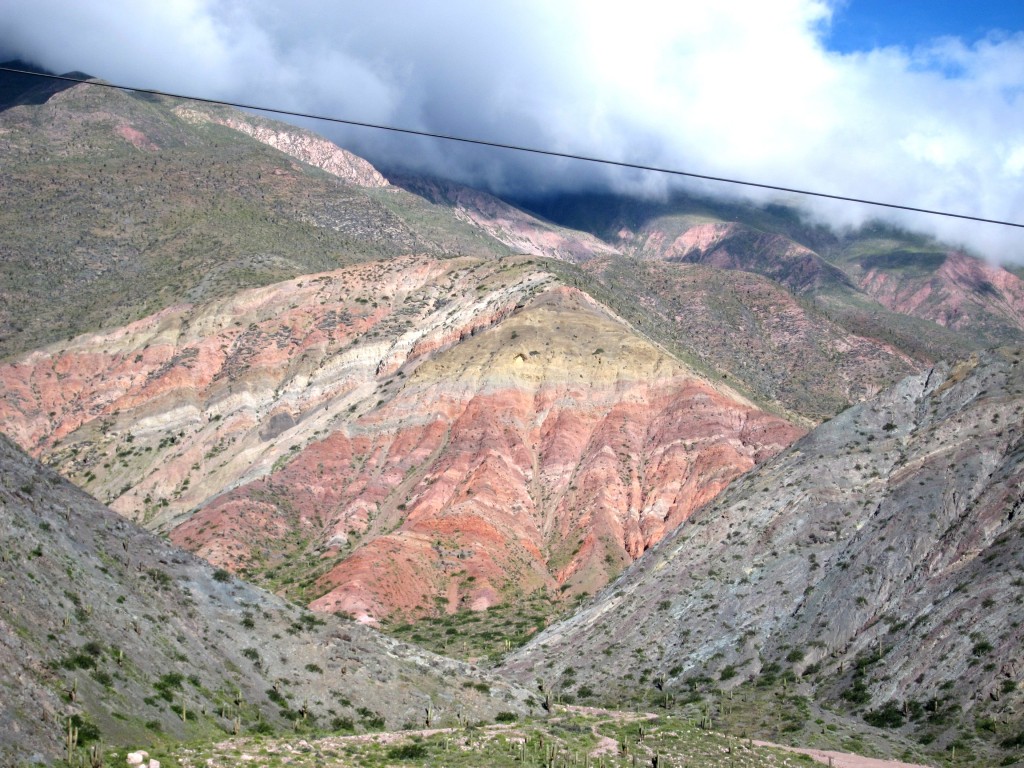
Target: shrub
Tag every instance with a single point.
(87, 730)
(506, 717)
(890, 715)
(342, 724)
(79, 661)
(407, 752)
(221, 575)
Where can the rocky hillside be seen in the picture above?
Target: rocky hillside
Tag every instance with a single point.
(927, 299)
(876, 566)
(512, 226)
(116, 205)
(134, 640)
(946, 286)
(784, 351)
(394, 437)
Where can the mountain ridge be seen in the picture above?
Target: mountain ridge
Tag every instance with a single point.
(112, 626)
(784, 577)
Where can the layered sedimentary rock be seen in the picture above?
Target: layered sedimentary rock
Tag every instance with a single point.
(956, 291)
(109, 626)
(877, 562)
(546, 452)
(425, 433)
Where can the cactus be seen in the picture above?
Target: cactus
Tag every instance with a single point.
(71, 741)
(706, 720)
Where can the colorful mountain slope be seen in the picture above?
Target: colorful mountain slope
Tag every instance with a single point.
(875, 566)
(480, 427)
(135, 641)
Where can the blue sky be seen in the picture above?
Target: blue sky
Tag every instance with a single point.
(860, 25)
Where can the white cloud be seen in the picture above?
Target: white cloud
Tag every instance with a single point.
(738, 88)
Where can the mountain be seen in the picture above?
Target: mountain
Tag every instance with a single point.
(429, 408)
(481, 428)
(116, 205)
(18, 88)
(512, 226)
(928, 299)
(875, 566)
(916, 277)
(112, 626)
(783, 351)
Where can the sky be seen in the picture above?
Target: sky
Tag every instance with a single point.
(916, 103)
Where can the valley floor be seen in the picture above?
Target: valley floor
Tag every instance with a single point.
(575, 736)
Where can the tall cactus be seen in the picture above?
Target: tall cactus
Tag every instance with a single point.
(71, 741)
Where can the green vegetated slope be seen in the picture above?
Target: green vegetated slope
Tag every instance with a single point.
(874, 568)
(754, 333)
(136, 642)
(904, 294)
(113, 206)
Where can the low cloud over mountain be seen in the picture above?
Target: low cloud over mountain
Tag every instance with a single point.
(741, 89)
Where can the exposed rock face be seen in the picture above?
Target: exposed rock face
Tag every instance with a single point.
(194, 399)
(476, 426)
(302, 145)
(963, 293)
(728, 245)
(104, 621)
(546, 452)
(512, 226)
(885, 547)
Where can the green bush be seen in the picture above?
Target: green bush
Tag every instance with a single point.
(342, 724)
(890, 715)
(87, 730)
(407, 752)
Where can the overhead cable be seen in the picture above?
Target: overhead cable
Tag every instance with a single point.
(518, 148)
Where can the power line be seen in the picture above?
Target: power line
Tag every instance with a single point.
(520, 148)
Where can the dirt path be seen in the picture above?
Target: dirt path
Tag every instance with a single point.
(826, 757)
(842, 759)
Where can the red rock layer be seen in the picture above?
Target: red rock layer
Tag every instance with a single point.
(964, 292)
(413, 431)
(158, 416)
(547, 452)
